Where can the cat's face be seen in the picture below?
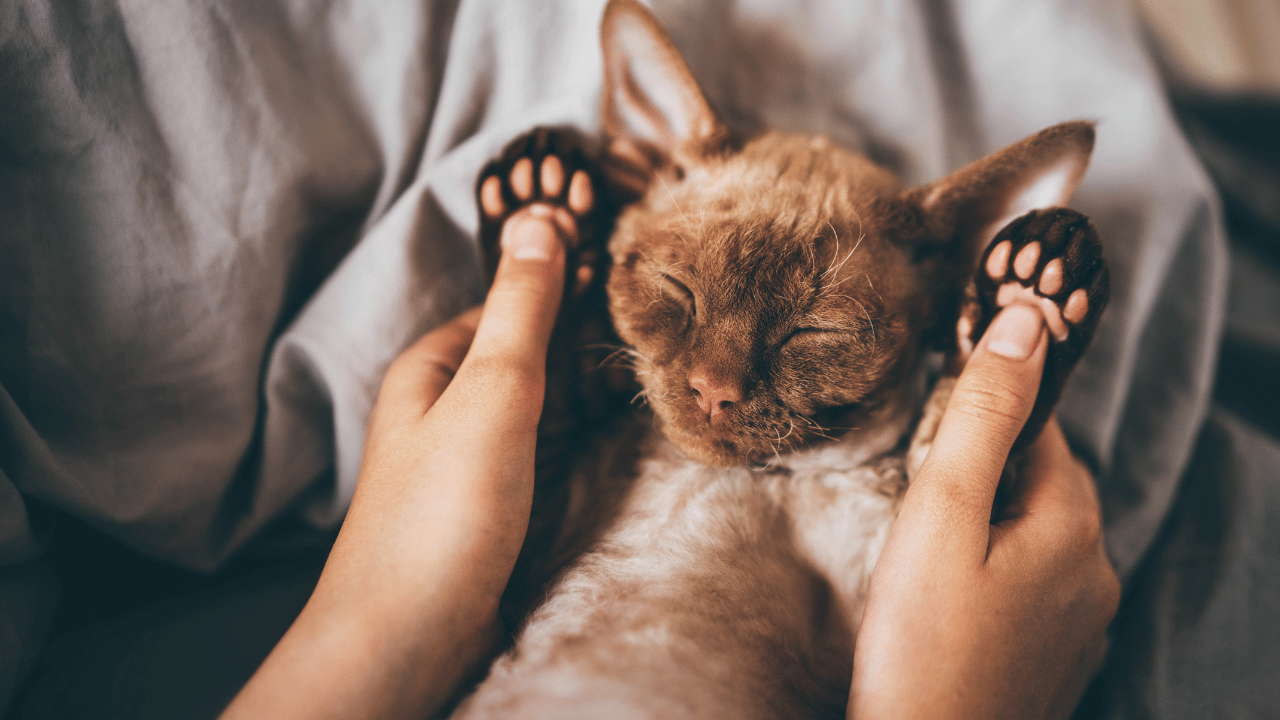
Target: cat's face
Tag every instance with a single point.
(764, 299)
(777, 292)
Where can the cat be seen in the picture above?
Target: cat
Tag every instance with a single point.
(781, 300)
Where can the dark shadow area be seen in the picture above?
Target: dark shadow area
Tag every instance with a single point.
(1238, 140)
(1197, 634)
(137, 638)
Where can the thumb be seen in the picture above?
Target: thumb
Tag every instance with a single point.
(522, 304)
(500, 383)
(988, 407)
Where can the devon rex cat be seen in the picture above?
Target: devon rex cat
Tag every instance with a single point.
(779, 298)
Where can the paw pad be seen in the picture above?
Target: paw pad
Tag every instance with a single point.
(546, 173)
(1050, 259)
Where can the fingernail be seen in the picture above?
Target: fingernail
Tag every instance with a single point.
(530, 239)
(1015, 332)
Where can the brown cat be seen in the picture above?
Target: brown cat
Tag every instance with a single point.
(780, 298)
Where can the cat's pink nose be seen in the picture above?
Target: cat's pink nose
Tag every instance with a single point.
(715, 395)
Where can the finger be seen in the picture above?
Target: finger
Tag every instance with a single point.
(483, 429)
(500, 383)
(992, 399)
(1056, 496)
(416, 378)
(522, 304)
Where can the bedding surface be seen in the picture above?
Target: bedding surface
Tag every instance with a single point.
(220, 220)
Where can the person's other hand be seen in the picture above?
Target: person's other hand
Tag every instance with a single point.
(974, 616)
(407, 603)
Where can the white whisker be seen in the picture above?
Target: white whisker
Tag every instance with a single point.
(791, 427)
(672, 197)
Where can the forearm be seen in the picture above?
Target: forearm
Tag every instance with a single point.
(344, 663)
(381, 638)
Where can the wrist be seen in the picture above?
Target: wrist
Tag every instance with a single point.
(405, 625)
(371, 658)
(402, 593)
(400, 550)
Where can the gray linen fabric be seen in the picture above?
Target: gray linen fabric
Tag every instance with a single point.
(220, 220)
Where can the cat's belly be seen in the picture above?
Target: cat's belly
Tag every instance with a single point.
(710, 592)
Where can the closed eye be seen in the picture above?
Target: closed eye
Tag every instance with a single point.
(814, 331)
(680, 292)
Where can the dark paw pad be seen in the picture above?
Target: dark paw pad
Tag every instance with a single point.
(547, 173)
(1050, 259)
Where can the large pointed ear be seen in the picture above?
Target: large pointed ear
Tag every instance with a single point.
(972, 204)
(651, 102)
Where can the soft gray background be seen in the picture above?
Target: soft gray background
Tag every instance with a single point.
(220, 220)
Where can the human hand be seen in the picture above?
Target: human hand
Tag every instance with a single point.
(974, 616)
(407, 603)
(450, 446)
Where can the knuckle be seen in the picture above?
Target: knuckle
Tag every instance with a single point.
(1086, 528)
(435, 364)
(428, 365)
(987, 430)
(401, 370)
(993, 402)
(996, 392)
(523, 282)
(1071, 538)
(1091, 528)
(398, 367)
(1110, 591)
(1080, 475)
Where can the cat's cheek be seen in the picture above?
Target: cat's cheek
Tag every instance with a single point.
(649, 332)
(645, 319)
(817, 380)
(796, 392)
(625, 300)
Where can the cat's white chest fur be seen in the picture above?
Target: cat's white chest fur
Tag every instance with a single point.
(830, 505)
(706, 592)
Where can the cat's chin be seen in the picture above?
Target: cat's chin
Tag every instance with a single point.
(722, 447)
(711, 453)
(709, 447)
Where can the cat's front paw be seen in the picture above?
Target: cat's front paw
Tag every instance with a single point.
(1051, 259)
(545, 172)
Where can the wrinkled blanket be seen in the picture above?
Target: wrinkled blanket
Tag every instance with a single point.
(220, 220)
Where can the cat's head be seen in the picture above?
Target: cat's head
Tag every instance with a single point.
(780, 290)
